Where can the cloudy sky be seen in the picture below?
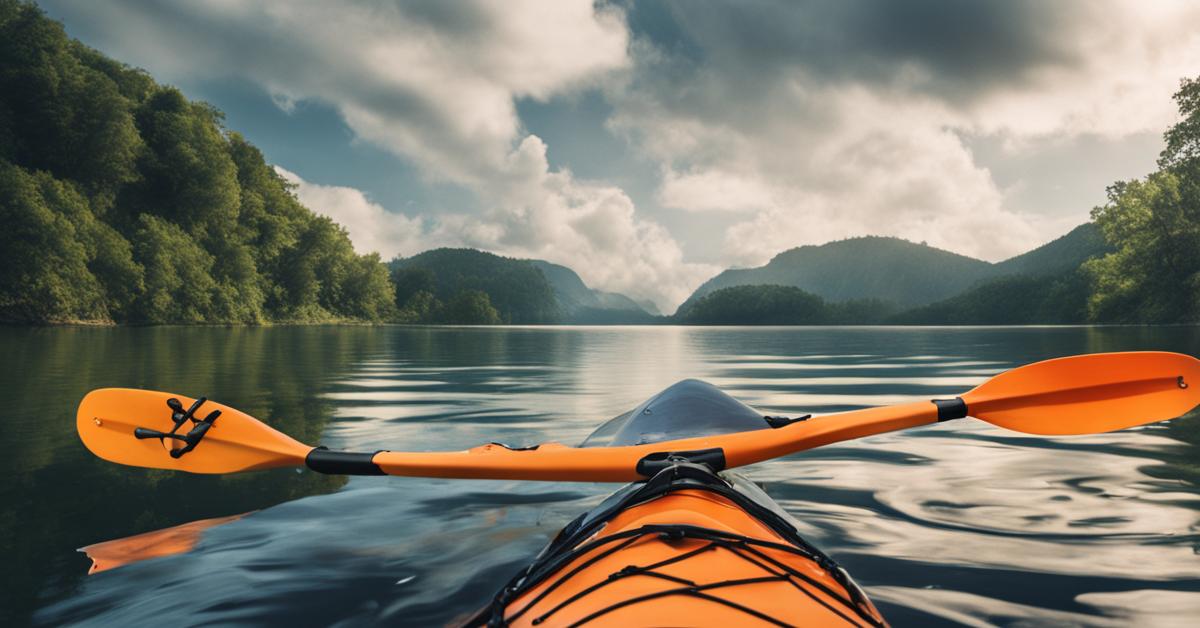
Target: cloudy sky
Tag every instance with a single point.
(649, 144)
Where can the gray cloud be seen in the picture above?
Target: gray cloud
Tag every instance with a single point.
(828, 120)
(965, 47)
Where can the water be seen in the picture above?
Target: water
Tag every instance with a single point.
(959, 523)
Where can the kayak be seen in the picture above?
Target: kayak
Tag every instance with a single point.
(688, 542)
(689, 546)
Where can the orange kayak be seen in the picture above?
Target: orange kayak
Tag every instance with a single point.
(688, 547)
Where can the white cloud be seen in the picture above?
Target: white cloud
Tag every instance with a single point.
(435, 83)
(592, 228)
(1131, 55)
(432, 82)
(371, 227)
(872, 141)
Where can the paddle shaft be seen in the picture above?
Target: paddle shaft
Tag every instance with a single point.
(552, 461)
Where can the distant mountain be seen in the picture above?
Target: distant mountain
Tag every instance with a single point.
(1042, 286)
(580, 304)
(517, 289)
(1058, 256)
(902, 272)
(887, 269)
(779, 305)
(522, 291)
(1021, 299)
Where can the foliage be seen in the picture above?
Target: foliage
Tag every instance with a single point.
(127, 202)
(1011, 300)
(516, 289)
(1153, 276)
(470, 307)
(778, 305)
(888, 269)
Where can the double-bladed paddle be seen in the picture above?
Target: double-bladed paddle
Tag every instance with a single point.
(1082, 394)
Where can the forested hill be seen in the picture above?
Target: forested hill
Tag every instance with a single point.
(123, 201)
(581, 304)
(519, 291)
(888, 269)
(900, 272)
(1063, 254)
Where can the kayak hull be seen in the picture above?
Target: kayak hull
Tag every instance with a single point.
(688, 547)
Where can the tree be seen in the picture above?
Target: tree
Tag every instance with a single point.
(1154, 274)
(179, 284)
(470, 307)
(125, 201)
(44, 273)
(757, 305)
(411, 281)
(1154, 224)
(421, 307)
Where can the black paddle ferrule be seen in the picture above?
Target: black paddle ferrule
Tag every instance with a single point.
(949, 409)
(323, 460)
(653, 463)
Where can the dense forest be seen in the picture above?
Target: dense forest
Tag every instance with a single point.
(1154, 223)
(870, 267)
(465, 286)
(124, 201)
(779, 305)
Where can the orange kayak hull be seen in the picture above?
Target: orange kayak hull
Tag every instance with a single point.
(694, 550)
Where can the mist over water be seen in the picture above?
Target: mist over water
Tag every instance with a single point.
(958, 523)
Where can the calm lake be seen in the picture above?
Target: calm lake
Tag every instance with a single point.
(959, 523)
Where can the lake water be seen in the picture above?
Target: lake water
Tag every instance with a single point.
(959, 523)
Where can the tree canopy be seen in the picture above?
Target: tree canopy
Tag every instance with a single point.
(1153, 276)
(127, 202)
(515, 289)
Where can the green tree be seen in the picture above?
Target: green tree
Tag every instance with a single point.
(470, 307)
(1154, 225)
(179, 284)
(367, 291)
(57, 113)
(411, 281)
(421, 307)
(516, 288)
(44, 273)
(757, 305)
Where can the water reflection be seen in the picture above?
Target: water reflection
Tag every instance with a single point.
(957, 523)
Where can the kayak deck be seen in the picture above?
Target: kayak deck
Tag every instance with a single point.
(685, 548)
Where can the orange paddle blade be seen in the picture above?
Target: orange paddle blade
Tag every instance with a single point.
(109, 420)
(1086, 394)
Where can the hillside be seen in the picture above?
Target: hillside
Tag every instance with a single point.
(779, 305)
(1060, 255)
(518, 291)
(123, 201)
(580, 304)
(887, 269)
(1009, 300)
(901, 272)
(521, 291)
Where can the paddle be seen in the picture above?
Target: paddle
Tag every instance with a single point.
(1074, 395)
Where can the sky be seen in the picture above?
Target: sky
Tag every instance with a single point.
(648, 145)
